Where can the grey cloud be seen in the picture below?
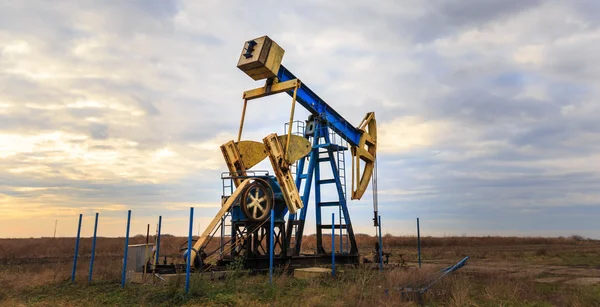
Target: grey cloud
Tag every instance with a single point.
(99, 131)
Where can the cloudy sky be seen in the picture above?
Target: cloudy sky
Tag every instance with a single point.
(487, 111)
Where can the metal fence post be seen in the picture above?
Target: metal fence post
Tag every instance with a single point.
(124, 272)
(189, 252)
(271, 246)
(380, 245)
(419, 242)
(76, 249)
(158, 241)
(93, 248)
(333, 244)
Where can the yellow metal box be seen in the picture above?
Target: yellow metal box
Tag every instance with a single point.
(261, 58)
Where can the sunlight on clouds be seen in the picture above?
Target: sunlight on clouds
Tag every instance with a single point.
(176, 206)
(87, 48)
(80, 104)
(131, 114)
(26, 208)
(19, 47)
(408, 133)
(529, 54)
(82, 158)
(489, 40)
(163, 153)
(416, 191)
(131, 110)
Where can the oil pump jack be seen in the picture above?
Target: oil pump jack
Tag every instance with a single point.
(301, 159)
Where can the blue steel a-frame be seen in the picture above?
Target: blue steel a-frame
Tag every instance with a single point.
(323, 151)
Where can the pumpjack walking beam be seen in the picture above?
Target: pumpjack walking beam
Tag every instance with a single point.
(362, 139)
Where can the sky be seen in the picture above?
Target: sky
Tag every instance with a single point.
(487, 111)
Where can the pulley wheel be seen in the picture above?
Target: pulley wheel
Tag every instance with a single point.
(257, 201)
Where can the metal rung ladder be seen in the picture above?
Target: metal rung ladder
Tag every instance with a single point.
(297, 129)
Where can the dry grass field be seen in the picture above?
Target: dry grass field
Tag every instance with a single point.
(502, 271)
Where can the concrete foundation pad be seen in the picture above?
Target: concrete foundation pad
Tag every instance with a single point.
(306, 273)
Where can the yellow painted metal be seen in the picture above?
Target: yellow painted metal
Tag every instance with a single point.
(289, 134)
(241, 156)
(199, 244)
(258, 56)
(234, 161)
(251, 152)
(366, 152)
(264, 61)
(274, 58)
(281, 167)
(242, 120)
(298, 148)
(275, 88)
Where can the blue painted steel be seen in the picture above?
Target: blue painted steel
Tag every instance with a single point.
(419, 242)
(189, 254)
(271, 245)
(278, 204)
(457, 266)
(317, 106)
(306, 192)
(427, 282)
(124, 272)
(321, 142)
(158, 241)
(317, 176)
(444, 272)
(341, 236)
(93, 248)
(333, 244)
(76, 249)
(380, 245)
(344, 214)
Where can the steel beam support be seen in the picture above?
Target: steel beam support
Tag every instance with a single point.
(317, 106)
(267, 90)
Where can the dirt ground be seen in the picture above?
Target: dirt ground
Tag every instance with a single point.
(500, 271)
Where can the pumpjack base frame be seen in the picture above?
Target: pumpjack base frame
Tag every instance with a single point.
(295, 262)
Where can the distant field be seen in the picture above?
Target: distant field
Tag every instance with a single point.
(507, 271)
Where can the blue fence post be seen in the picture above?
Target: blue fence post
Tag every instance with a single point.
(419, 242)
(93, 248)
(124, 272)
(380, 245)
(271, 246)
(158, 241)
(189, 252)
(333, 244)
(76, 249)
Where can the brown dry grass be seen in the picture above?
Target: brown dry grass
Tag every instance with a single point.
(30, 264)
